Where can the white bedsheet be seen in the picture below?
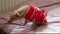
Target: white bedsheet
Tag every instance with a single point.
(53, 15)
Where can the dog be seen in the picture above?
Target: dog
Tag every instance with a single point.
(30, 13)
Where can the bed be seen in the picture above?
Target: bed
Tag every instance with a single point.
(53, 18)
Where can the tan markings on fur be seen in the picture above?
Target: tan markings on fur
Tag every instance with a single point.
(20, 11)
(23, 11)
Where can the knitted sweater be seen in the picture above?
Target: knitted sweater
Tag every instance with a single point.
(35, 14)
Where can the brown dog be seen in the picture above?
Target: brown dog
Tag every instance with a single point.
(24, 10)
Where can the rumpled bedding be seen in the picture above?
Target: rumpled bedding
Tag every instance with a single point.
(53, 16)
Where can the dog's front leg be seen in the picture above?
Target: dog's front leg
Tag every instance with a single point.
(34, 24)
(26, 21)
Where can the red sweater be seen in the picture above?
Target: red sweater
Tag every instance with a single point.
(35, 14)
